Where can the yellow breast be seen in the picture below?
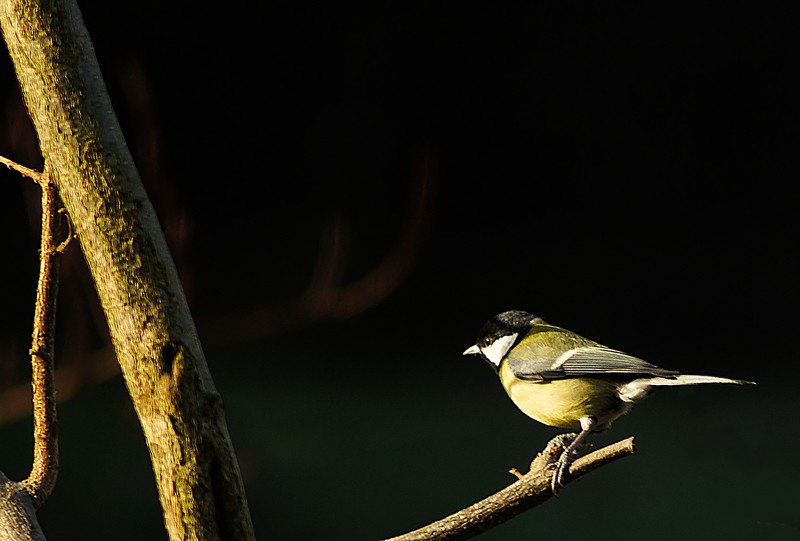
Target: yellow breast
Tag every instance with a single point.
(562, 403)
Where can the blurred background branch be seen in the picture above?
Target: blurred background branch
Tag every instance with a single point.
(88, 357)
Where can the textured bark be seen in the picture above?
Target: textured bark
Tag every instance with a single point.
(156, 343)
(17, 513)
(42, 479)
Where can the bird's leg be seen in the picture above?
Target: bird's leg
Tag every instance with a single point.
(571, 452)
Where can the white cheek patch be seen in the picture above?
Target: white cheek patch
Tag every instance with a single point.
(498, 349)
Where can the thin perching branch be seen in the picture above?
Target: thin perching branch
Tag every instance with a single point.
(42, 479)
(531, 490)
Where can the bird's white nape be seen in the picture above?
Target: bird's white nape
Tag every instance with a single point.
(498, 349)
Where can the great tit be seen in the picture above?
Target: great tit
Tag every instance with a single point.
(567, 381)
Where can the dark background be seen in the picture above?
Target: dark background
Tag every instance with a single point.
(627, 171)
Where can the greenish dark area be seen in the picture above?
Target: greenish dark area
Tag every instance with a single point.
(331, 451)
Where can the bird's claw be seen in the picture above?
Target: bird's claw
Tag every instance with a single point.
(570, 452)
(561, 467)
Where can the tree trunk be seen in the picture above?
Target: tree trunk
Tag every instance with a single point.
(156, 343)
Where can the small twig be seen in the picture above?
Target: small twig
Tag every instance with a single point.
(32, 174)
(42, 479)
(62, 247)
(530, 490)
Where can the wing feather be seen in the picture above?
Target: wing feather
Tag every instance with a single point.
(585, 361)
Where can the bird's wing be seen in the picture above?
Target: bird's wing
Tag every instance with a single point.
(582, 361)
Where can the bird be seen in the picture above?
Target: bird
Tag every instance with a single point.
(567, 381)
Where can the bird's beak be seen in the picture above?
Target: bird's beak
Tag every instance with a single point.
(472, 350)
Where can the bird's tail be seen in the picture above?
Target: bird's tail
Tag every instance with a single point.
(639, 389)
(686, 379)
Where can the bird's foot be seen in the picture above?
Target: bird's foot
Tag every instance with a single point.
(561, 469)
(572, 447)
(547, 459)
(559, 444)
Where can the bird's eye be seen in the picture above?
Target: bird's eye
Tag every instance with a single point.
(486, 341)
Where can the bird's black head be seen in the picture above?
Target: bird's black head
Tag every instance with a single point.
(500, 334)
(512, 321)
